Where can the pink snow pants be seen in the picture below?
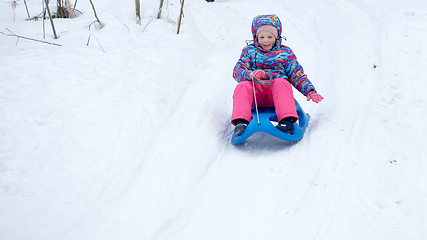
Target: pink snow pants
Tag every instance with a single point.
(278, 95)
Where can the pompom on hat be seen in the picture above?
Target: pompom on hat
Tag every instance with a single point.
(268, 28)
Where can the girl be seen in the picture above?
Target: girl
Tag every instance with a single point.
(267, 56)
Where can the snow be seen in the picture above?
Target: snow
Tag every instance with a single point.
(123, 132)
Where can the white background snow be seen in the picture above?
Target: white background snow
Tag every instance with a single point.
(132, 140)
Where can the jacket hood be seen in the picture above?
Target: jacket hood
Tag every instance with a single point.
(270, 19)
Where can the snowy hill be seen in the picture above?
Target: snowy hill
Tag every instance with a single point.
(124, 132)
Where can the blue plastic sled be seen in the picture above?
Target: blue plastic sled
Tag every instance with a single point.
(266, 115)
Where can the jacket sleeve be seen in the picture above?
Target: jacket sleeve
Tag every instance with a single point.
(296, 75)
(242, 70)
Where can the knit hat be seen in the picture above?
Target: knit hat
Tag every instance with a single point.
(269, 28)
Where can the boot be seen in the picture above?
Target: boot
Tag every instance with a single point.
(286, 125)
(241, 125)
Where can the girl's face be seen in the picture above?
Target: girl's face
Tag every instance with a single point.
(266, 40)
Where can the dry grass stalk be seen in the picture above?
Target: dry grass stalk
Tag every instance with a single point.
(44, 17)
(96, 16)
(13, 6)
(26, 7)
(159, 13)
(51, 20)
(138, 11)
(88, 40)
(180, 16)
(70, 10)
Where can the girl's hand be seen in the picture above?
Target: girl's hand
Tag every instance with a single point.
(258, 75)
(315, 97)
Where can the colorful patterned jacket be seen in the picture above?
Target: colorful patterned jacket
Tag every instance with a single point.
(280, 61)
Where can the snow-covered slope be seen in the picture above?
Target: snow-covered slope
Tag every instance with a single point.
(123, 132)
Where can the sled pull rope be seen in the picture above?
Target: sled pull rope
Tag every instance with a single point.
(256, 103)
(261, 83)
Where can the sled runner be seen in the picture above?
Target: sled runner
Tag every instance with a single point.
(266, 116)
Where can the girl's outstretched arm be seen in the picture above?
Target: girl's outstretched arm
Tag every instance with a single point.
(314, 96)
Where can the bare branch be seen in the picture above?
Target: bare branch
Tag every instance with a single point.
(11, 34)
